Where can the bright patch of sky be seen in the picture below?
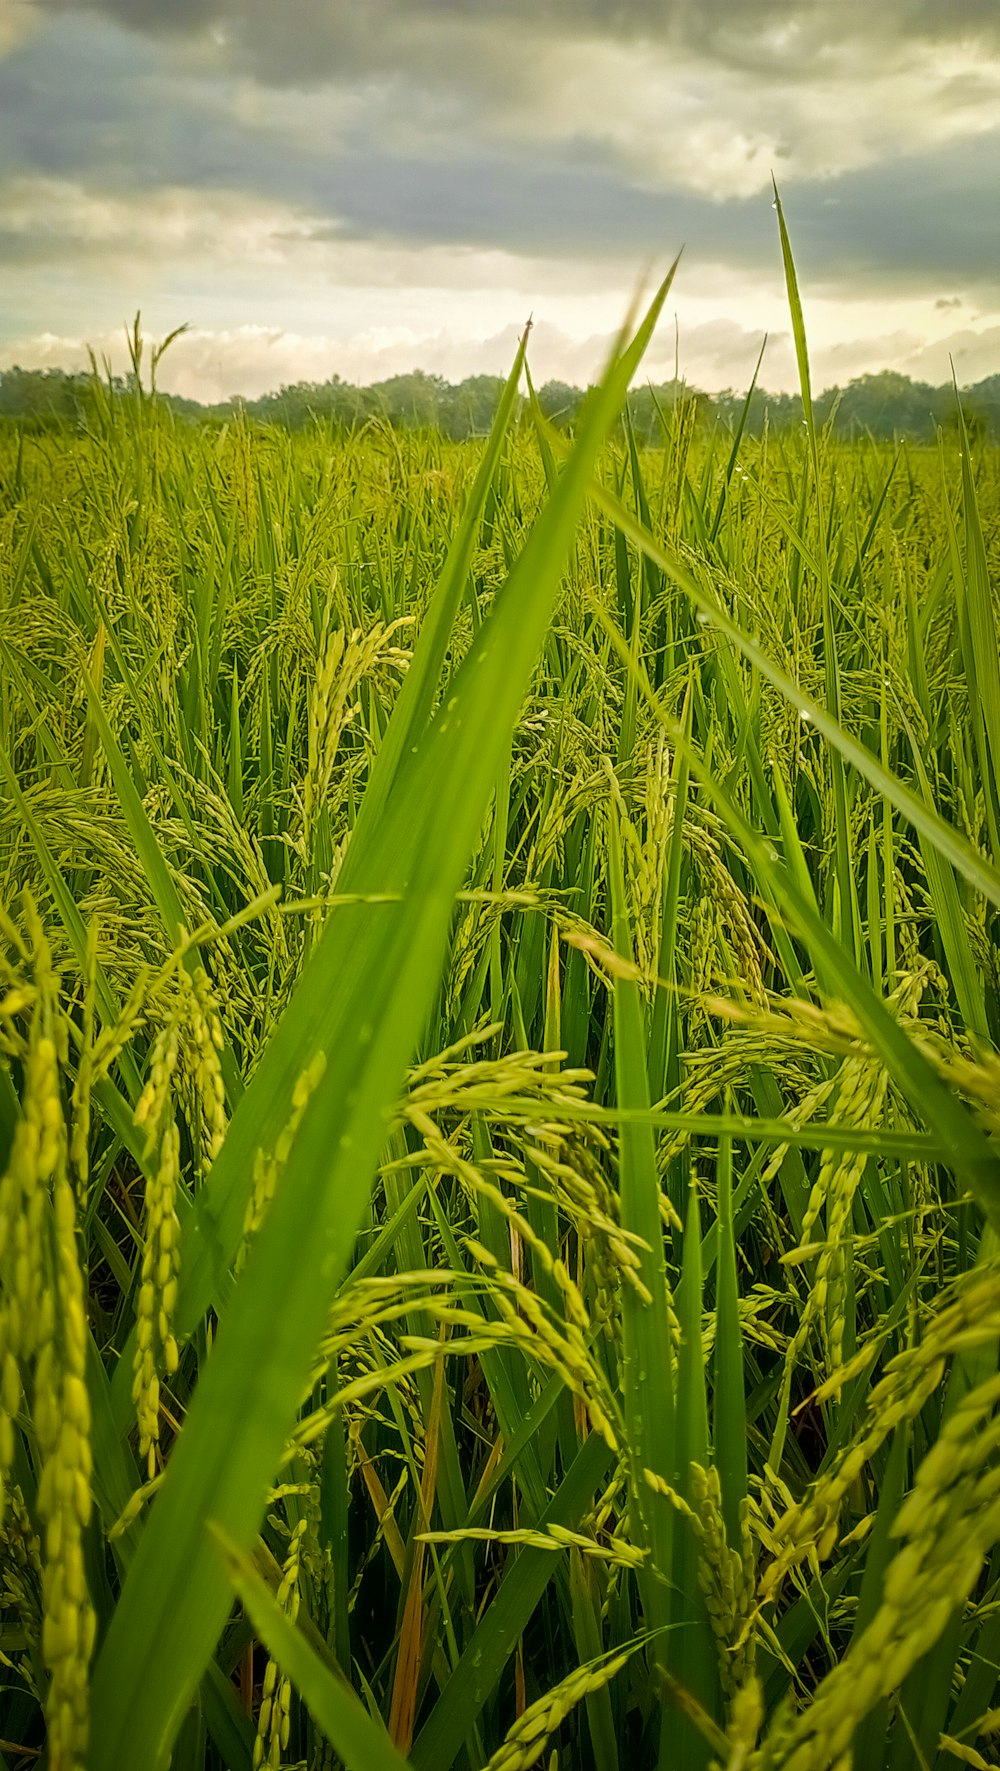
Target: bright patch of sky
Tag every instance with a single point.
(319, 189)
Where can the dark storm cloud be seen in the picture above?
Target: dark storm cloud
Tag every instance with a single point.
(704, 20)
(84, 101)
(933, 215)
(367, 123)
(78, 100)
(886, 224)
(305, 41)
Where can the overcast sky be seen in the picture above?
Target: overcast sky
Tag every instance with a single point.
(365, 186)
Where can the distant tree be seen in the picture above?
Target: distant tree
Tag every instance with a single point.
(646, 404)
(41, 399)
(469, 409)
(655, 410)
(413, 399)
(887, 404)
(560, 402)
(983, 402)
(729, 405)
(883, 405)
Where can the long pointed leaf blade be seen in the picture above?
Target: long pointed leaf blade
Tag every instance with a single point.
(380, 961)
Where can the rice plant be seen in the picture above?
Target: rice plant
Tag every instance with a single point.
(499, 1095)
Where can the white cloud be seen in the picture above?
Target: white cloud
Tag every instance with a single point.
(45, 215)
(975, 352)
(274, 293)
(803, 98)
(709, 111)
(226, 262)
(674, 117)
(304, 176)
(213, 365)
(704, 97)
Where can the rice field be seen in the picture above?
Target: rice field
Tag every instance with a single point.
(499, 1096)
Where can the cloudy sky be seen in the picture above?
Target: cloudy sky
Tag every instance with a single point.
(365, 186)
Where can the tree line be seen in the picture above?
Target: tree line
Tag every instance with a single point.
(883, 405)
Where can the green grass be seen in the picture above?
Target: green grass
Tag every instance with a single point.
(542, 900)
